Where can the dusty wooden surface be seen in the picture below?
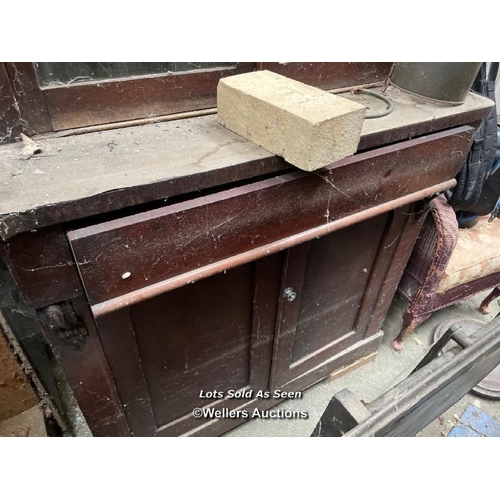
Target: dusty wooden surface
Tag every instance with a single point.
(49, 187)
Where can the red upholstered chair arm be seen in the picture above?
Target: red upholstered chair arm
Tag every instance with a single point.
(432, 252)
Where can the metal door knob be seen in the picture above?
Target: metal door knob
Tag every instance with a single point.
(290, 295)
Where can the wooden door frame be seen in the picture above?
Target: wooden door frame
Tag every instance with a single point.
(41, 109)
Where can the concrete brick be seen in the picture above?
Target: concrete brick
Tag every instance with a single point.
(308, 127)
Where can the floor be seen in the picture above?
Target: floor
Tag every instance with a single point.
(388, 369)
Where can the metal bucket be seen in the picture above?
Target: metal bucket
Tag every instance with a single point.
(446, 82)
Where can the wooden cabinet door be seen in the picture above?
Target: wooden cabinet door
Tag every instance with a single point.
(335, 282)
(213, 335)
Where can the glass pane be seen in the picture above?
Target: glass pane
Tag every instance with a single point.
(58, 73)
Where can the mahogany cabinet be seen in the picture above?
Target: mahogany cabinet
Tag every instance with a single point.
(240, 329)
(271, 285)
(231, 276)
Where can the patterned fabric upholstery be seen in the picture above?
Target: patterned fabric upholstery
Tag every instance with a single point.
(476, 255)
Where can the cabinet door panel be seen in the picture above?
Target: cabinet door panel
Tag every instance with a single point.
(337, 272)
(195, 338)
(338, 280)
(214, 335)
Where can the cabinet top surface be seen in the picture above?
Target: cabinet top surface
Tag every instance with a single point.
(77, 176)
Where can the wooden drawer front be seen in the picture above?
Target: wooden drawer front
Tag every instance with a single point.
(129, 260)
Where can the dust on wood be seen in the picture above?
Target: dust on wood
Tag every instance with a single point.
(30, 147)
(75, 168)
